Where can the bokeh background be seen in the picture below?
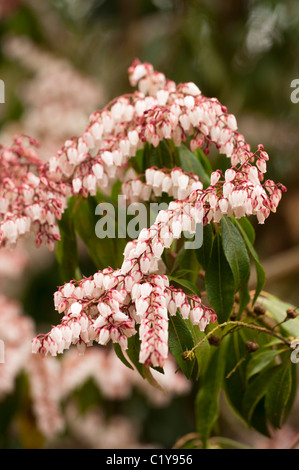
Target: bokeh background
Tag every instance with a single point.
(60, 60)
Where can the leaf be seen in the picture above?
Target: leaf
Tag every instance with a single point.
(235, 252)
(236, 384)
(202, 352)
(219, 282)
(205, 162)
(248, 228)
(277, 309)
(101, 251)
(161, 156)
(187, 284)
(66, 248)
(186, 259)
(203, 253)
(255, 391)
(180, 340)
(207, 399)
(190, 163)
(260, 272)
(121, 356)
(293, 394)
(278, 393)
(260, 360)
(151, 379)
(259, 418)
(133, 353)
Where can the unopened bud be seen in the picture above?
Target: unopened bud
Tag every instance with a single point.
(259, 310)
(214, 340)
(291, 313)
(251, 346)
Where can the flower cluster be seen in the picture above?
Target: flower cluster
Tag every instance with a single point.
(116, 304)
(29, 202)
(175, 183)
(158, 110)
(110, 305)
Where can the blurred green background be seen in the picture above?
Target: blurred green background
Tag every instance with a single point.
(244, 52)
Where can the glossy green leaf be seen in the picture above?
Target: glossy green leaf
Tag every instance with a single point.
(278, 393)
(204, 252)
(102, 251)
(205, 162)
(247, 227)
(187, 284)
(186, 260)
(277, 309)
(190, 163)
(160, 156)
(207, 399)
(260, 360)
(219, 282)
(202, 352)
(120, 355)
(180, 340)
(255, 391)
(235, 383)
(260, 272)
(66, 248)
(235, 252)
(133, 353)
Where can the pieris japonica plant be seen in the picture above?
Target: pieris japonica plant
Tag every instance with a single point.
(180, 286)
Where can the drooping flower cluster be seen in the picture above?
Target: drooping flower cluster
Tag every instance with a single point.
(159, 110)
(175, 183)
(29, 202)
(114, 305)
(110, 305)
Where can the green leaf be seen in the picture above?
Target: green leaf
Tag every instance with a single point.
(133, 353)
(187, 284)
(151, 379)
(160, 157)
(219, 282)
(120, 355)
(236, 383)
(235, 252)
(260, 360)
(190, 163)
(66, 248)
(255, 391)
(207, 399)
(278, 393)
(259, 418)
(293, 394)
(203, 253)
(260, 272)
(277, 309)
(205, 162)
(186, 260)
(247, 227)
(180, 340)
(202, 352)
(102, 251)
